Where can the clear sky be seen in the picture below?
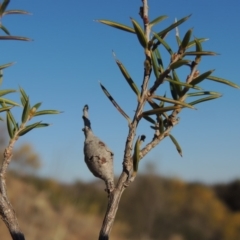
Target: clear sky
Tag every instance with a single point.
(71, 53)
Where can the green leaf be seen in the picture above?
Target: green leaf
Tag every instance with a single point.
(159, 110)
(202, 53)
(3, 6)
(173, 91)
(140, 34)
(6, 65)
(177, 86)
(198, 49)
(163, 43)
(7, 101)
(117, 25)
(169, 100)
(149, 119)
(163, 32)
(28, 128)
(43, 125)
(24, 96)
(12, 120)
(159, 60)
(9, 126)
(185, 41)
(182, 84)
(195, 94)
(161, 125)
(44, 112)
(176, 144)
(201, 77)
(6, 91)
(4, 29)
(25, 113)
(15, 38)
(128, 78)
(179, 63)
(155, 65)
(204, 99)
(224, 81)
(157, 20)
(3, 109)
(115, 103)
(16, 12)
(37, 105)
(192, 43)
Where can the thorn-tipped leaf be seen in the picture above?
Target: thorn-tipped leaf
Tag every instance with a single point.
(224, 81)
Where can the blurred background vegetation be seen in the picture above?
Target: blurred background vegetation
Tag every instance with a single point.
(154, 208)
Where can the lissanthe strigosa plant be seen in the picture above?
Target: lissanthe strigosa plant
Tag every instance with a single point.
(164, 112)
(15, 129)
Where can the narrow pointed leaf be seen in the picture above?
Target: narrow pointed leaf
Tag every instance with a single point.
(185, 41)
(155, 65)
(193, 43)
(157, 20)
(12, 119)
(117, 25)
(6, 65)
(43, 125)
(15, 38)
(9, 127)
(160, 110)
(7, 101)
(4, 29)
(198, 49)
(179, 63)
(202, 53)
(224, 81)
(176, 144)
(164, 43)
(44, 112)
(25, 112)
(149, 119)
(6, 91)
(195, 94)
(128, 78)
(37, 105)
(115, 104)
(178, 87)
(173, 91)
(3, 109)
(159, 60)
(201, 77)
(204, 99)
(183, 84)
(169, 100)
(28, 128)
(16, 12)
(161, 125)
(3, 6)
(140, 34)
(174, 25)
(23, 95)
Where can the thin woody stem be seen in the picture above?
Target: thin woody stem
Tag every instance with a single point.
(6, 210)
(124, 179)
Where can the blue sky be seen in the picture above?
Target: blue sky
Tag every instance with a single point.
(71, 53)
